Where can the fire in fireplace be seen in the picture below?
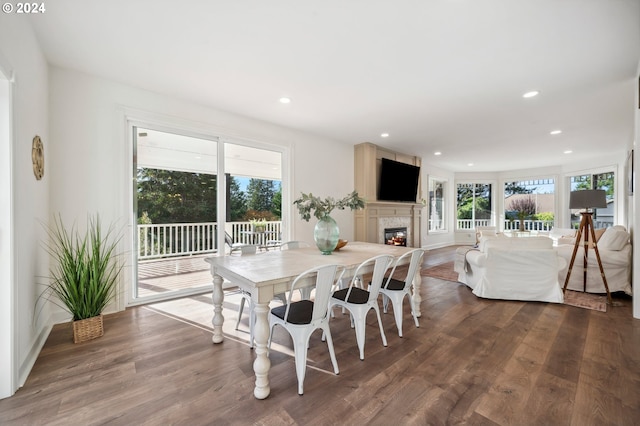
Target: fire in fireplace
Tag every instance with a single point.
(395, 236)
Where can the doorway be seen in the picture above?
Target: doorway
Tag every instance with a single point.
(180, 216)
(8, 371)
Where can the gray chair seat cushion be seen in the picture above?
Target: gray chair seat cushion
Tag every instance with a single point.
(299, 313)
(358, 296)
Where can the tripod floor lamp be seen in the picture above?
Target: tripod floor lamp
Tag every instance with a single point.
(587, 200)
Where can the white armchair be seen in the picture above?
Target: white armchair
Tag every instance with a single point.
(514, 269)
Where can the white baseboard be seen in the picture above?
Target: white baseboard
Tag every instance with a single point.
(438, 245)
(36, 346)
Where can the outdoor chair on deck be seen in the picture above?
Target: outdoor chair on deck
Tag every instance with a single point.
(291, 245)
(233, 246)
(274, 243)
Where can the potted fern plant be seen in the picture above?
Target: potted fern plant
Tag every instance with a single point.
(84, 274)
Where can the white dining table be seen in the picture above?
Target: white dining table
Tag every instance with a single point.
(270, 273)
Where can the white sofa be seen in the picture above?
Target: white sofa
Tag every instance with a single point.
(562, 235)
(512, 269)
(615, 252)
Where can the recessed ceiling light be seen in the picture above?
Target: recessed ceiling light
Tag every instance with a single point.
(437, 153)
(531, 94)
(568, 151)
(555, 132)
(285, 100)
(384, 135)
(470, 164)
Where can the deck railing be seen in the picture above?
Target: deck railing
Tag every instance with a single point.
(509, 225)
(529, 225)
(185, 239)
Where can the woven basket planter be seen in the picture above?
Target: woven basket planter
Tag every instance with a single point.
(87, 329)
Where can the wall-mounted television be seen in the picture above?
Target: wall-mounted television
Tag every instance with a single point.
(398, 181)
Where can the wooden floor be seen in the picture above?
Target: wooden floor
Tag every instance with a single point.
(472, 361)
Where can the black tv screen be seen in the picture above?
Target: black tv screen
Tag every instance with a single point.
(398, 181)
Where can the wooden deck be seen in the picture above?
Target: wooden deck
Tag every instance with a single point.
(166, 275)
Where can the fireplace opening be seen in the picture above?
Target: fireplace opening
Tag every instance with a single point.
(395, 236)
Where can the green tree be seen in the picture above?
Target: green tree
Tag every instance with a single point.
(169, 196)
(544, 216)
(276, 205)
(605, 181)
(260, 194)
(474, 197)
(238, 201)
(511, 188)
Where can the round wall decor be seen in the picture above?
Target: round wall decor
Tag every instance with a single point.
(37, 157)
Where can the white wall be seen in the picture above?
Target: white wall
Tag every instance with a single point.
(7, 377)
(89, 171)
(21, 54)
(634, 202)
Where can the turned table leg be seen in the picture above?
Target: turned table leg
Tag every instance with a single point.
(218, 318)
(262, 364)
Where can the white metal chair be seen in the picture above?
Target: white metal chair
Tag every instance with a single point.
(303, 317)
(274, 243)
(250, 249)
(290, 245)
(293, 245)
(246, 296)
(359, 301)
(395, 289)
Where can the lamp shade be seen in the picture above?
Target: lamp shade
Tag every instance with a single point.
(588, 199)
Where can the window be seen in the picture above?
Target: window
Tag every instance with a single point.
(437, 221)
(529, 205)
(602, 217)
(473, 205)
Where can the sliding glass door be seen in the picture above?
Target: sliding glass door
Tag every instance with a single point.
(175, 208)
(180, 219)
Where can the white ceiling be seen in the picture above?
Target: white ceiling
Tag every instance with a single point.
(443, 75)
(168, 151)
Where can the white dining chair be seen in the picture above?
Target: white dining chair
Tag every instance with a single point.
(301, 318)
(291, 245)
(395, 289)
(359, 301)
(247, 250)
